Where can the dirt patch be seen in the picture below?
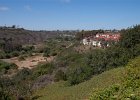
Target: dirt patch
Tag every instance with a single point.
(29, 62)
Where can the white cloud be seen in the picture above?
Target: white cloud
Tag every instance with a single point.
(28, 8)
(3, 8)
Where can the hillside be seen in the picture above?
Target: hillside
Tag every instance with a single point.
(76, 72)
(128, 89)
(100, 87)
(59, 91)
(23, 36)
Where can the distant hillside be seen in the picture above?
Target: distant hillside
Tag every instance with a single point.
(22, 36)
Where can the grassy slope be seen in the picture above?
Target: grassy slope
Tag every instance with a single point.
(58, 91)
(128, 89)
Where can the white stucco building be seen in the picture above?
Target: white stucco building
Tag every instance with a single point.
(101, 40)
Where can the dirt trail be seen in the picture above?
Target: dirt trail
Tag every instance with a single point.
(29, 62)
(69, 45)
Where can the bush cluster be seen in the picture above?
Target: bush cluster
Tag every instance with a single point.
(5, 67)
(42, 69)
(83, 66)
(128, 89)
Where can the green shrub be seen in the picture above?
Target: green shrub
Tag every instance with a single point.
(22, 75)
(21, 84)
(22, 52)
(2, 54)
(42, 69)
(14, 53)
(8, 55)
(54, 54)
(78, 74)
(46, 55)
(4, 67)
(46, 52)
(60, 75)
(130, 37)
(21, 58)
(129, 89)
(5, 92)
(28, 48)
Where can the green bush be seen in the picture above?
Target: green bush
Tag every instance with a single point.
(46, 55)
(22, 52)
(104, 59)
(129, 89)
(22, 75)
(14, 53)
(97, 61)
(28, 48)
(42, 69)
(21, 85)
(21, 58)
(53, 54)
(78, 74)
(60, 75)
(2, 54)
(4, 67)
(46, 52)
(8, 55)
(5, 92)
(130, 37)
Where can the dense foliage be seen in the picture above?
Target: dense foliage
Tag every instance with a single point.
(129, 89)
(5, 67)
(15, 51)
(130, 37)
(99, 60)
(42, 69)
(71, 65)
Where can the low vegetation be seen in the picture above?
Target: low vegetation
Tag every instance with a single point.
(72, 69)
(96, 61)
(42, 69)
(61, 91)
(6, 67)
(119, 83)
(128, 89)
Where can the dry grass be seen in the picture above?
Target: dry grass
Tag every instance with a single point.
(29, 62)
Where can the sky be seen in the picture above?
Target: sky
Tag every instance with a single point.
(70, 14)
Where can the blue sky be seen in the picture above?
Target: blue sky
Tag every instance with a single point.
(70, 14)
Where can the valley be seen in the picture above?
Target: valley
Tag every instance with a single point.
(65, 68)
(69, 50)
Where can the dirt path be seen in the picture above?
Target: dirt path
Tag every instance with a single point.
(69, 45)
(29, 62)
